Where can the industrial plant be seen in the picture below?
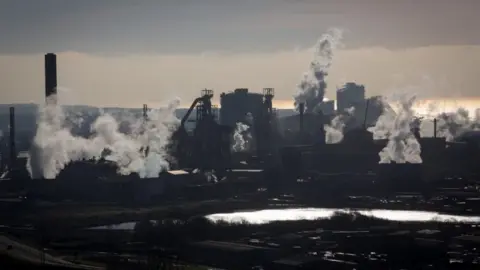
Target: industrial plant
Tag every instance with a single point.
(170, 184)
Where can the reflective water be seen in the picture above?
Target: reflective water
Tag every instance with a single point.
(291, 214)
(266, 216)
(127, 226)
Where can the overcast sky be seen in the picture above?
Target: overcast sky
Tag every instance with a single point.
(132, 52)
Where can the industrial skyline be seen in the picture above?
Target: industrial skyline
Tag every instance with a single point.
(141, 134)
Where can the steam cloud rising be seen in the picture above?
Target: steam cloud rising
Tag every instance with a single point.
(334, 131)
(54, 145)
(402, 145)
(311, 89)
(241, 135)
(453, 124)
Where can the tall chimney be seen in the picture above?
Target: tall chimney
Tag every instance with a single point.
(145, 111)
(301, 108)
(50, 75)
(435, 127)
(13, 151)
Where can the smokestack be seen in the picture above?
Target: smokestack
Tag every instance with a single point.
(13, 151)
(50, 74)
(301, 108)
(145, 111)
(366, 114)
(435, 127)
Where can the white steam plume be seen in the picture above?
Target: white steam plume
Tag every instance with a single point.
(54, 146)
(311, 89)
(452, 124)
(334, 131)
(402, 146)
(240, 137)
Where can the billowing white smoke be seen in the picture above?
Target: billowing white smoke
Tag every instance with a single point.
(402, 146)
(451, 125)
(74, 119)
(54, 146)
(311, 89)
(241, 135)
(334, 131)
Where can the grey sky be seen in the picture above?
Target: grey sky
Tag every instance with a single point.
(193, 26)
(130, 52)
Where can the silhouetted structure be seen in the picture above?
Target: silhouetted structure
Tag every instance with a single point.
(303, 129)
(350, 95)
(235, 106)
(145, 111)
(266, 129)
(13, 151)
(50, 74)
(301, 112)
(208, 148)
(327, 107)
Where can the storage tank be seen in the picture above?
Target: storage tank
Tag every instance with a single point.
(236, 105)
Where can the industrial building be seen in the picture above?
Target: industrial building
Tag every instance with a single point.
(366, 112)
(327, 107)
(349, 96)
(235, 106)
(208, 147)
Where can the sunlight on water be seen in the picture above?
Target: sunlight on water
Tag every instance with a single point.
(292, 214)
(266, 216)
(127, 226)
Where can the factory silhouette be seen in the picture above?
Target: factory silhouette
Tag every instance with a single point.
(239, 156)
(267, 128)
(273, 142)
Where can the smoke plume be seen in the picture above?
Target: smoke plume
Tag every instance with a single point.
(453, 124)
(240, 137)
(54, 146)
(402, 145)
(450, 125)
(311, 89)
(334, 131)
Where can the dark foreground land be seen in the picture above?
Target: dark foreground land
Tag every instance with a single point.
(346, 241)
(183, 239)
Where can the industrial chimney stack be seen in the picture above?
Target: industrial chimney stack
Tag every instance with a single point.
(301, 108)
(13, 151)
(50, 75)
(145, 111)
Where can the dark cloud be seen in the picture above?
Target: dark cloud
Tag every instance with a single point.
(189, 26)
